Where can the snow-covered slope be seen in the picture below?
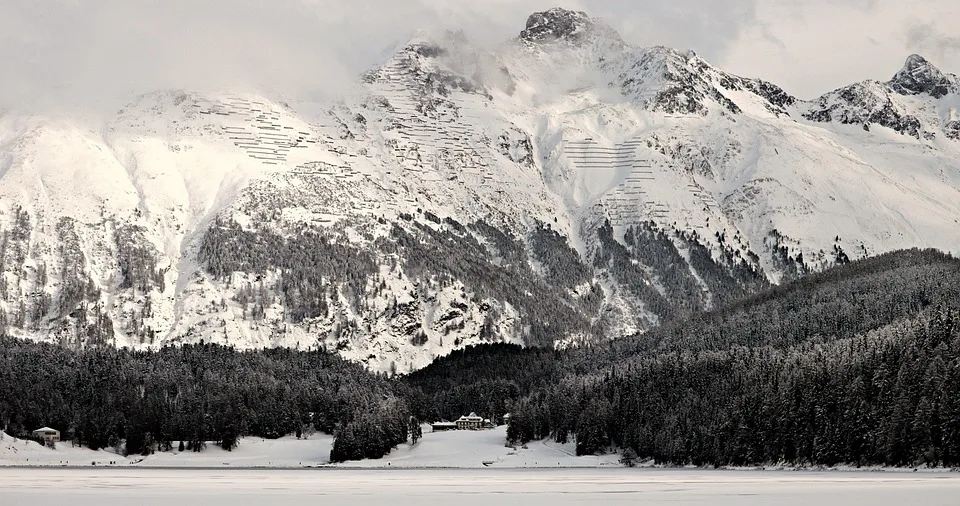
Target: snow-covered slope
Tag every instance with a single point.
(561, 188)
(286, 452)
(452, 449)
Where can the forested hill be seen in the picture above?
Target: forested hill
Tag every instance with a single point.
(840, 303)
(859, 364)
(142, 402)
(856, 365)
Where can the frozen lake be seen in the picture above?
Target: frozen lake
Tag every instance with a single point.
(105, 487)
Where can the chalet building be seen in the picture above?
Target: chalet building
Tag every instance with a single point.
(470, 422)
(47, 434)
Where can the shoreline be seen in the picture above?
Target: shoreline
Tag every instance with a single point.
(442, 451)
(638, 469)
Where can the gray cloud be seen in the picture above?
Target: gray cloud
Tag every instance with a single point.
(89, 52)
(94, 54)
(826, 44)
(927, 39)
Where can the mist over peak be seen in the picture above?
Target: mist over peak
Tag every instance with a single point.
(70, 57)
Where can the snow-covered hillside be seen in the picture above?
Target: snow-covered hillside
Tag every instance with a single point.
(286, 452)
(564, 187)
(453, 449)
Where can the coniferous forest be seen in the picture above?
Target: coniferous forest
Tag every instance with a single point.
(140, 402)
(856, 365)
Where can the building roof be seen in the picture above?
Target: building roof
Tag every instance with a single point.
(46, 429)
(472, 417)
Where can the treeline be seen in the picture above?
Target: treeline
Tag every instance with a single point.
(855, 365)
(61, 290)
(886, 398)
(488, 379)
(371, 435)
(141, 402)
(839, 303)
(314, 270)
(311, 272)
(649, 266)
(492, 263)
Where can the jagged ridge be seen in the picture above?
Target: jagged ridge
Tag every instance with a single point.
(565, 188)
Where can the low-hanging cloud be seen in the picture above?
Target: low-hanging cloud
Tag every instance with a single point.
(928, 39)
(79, 54)
(825, 44)
(85, 53)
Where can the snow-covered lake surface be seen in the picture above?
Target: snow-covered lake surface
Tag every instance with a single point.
(463, 487)
(461, 467)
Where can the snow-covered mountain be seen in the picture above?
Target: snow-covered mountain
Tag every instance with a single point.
(562, 188)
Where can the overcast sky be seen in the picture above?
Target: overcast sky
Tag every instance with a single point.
(89, 52)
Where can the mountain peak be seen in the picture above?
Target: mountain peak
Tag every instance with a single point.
(915, 61)
(920, 76)
(560, 24)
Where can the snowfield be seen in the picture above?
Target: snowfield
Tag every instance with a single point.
(436, 450)
(454, 449)
(101, 487)
(469, 449)
(470, 468)
(285, 452)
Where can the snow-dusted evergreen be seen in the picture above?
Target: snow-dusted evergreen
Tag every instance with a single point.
(563, 188)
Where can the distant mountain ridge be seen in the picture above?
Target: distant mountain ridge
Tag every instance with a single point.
(563, 188)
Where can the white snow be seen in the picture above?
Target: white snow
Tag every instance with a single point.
(22, 452)
(452, 449)
(171, 161)
(99, 487)
(482, 448)
(286, 452)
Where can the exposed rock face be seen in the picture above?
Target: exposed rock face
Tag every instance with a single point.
(865, 104)
(920, 76)
(564, 25)
(886, 104)
(952, 129)
(681, 82)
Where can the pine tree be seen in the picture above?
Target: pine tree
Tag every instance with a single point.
(416, 431)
